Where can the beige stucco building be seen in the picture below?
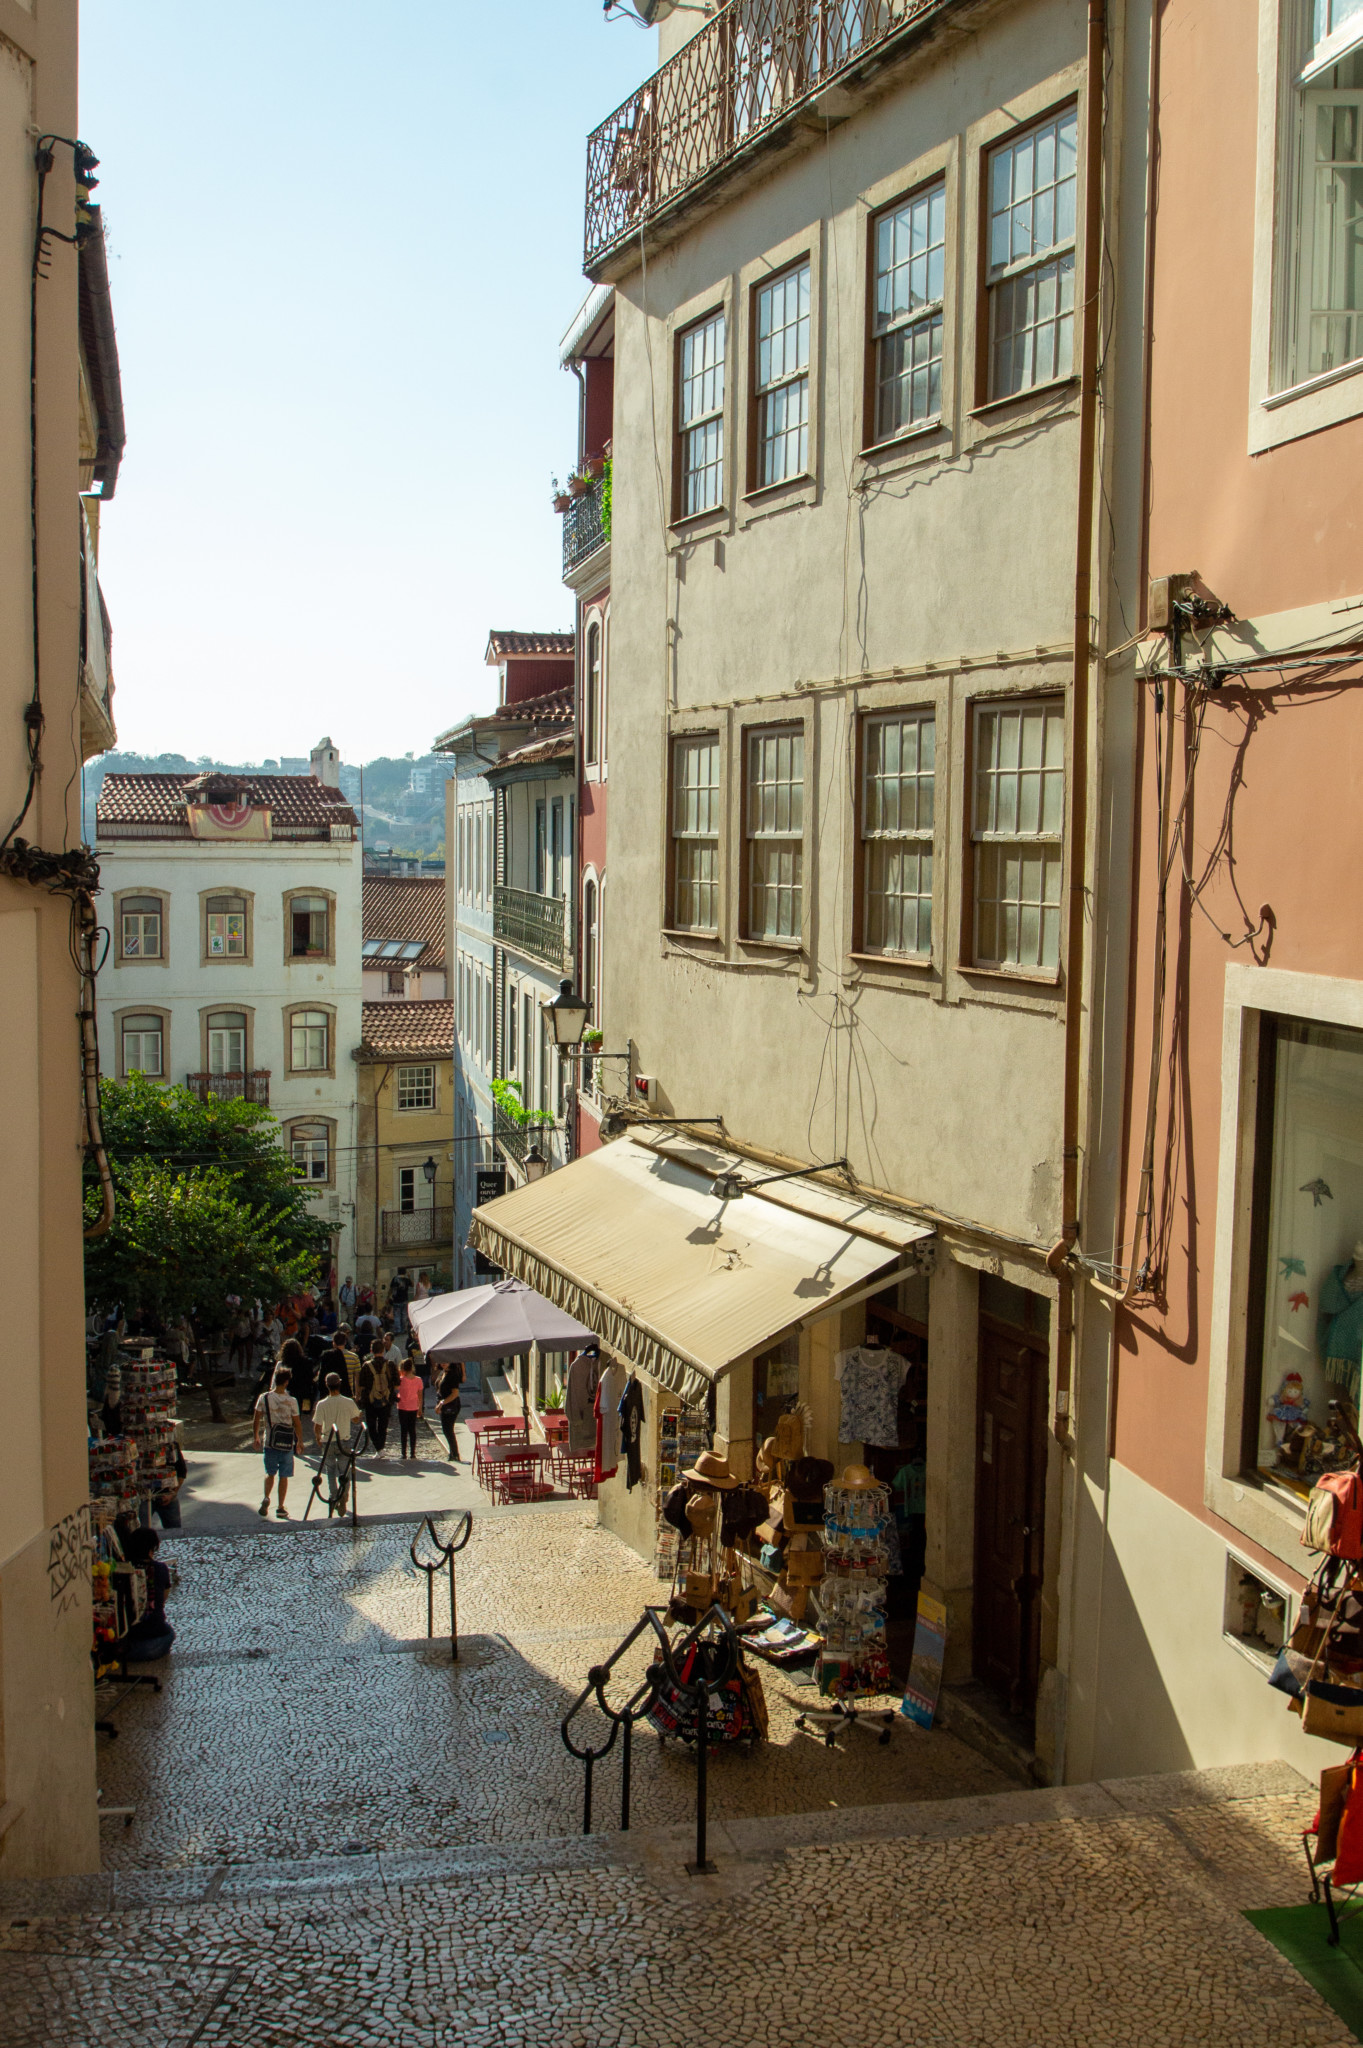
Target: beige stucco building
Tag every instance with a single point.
(55, 710)
(860, 569)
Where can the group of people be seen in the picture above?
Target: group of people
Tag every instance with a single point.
(355, 1389)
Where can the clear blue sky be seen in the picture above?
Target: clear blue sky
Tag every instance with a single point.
(344, 243)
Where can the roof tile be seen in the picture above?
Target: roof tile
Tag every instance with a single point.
(407, 907)
(407, 1029)
(293, 800)
(503, 646)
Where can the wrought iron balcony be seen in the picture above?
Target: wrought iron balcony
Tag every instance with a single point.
(533, 924)
(584, 529)
(230, 1087)
(418, 1226)
(750, 66)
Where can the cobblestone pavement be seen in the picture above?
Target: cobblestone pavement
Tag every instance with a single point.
(1101, 1916)
(342, 1839)
(304, 1712)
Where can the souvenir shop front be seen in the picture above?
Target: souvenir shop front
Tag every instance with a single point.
(766, 1348)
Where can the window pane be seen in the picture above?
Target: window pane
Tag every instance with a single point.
(1032, 321)
(1031, 193)
(909, 376)
(898, 897)
(1017, 907)
(783, 328)
(701, 405)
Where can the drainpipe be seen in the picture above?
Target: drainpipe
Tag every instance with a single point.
(378, 1098)
(1058, 1258)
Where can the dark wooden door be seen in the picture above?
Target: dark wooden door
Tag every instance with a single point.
(1009, 1514)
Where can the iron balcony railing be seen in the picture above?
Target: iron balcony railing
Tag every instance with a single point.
(513, 1138)
(754, 63)
(418, 1226)
(584, 529)
(532, 923)
(230, 1087)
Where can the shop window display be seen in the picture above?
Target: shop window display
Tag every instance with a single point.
(1305, 1333)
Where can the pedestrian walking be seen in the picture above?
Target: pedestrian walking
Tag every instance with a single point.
(409, 1406)
(349, 1358)
(422, 1291)
(399, 1294)
(375, 1390)
(348, 1298)
(449, 1400)
(278, 1431)
(333, 1425)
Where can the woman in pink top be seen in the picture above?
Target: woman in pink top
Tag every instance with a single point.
(409, 1408)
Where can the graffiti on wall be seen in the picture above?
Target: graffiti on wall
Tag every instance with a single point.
(68, 1558)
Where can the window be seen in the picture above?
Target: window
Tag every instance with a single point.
(487, 1019)
(527, 1046)
(141, 927)
(541, 848)
(311, 1148)
(775, 804)
(695, 833)
(556, 847)
(227, 1042)
(591, 698)
(701, 416)
(782, 382)
(476, 828)
(908, 324)
(142, 1046)
(896, 833)
(589, 960)
(308, 927)
(309, 1035)
(416, 1087)
(487, 849)
(512, 1002)
(1030, 259)
(396, 982)
(225, 927)
(1018, 827)
(1320, 179)
(1305, 1265)
(413, 1193)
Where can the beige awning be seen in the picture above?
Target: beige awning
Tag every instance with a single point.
(631, 1241)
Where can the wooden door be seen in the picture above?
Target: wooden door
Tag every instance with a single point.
(1009, 1513)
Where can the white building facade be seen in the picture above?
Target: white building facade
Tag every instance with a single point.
(234, 967)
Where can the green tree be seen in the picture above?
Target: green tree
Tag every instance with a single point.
(206, 1204)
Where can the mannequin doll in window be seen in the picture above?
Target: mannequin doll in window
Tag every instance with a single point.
(1341, 1323)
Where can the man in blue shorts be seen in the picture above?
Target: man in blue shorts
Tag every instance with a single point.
(279, 1433)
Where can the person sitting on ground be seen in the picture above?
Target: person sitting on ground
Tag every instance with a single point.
(333, 1424)
(278, 1431)
(409, 1406)
(152, 1635)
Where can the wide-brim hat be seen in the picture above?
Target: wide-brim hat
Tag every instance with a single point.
(711, 1470)
(857, 1478)
(806, 1478)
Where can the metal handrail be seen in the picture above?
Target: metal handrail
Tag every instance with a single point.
(446, 1556)
(350, 1451)
(719, 1625)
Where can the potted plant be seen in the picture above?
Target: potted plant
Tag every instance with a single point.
(591, 1039)
(594, 466)
(561, 499)
(578, 485)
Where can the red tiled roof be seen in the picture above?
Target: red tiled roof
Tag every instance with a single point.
(561, 748)
(293, 800)
(507, 646)
(407, 1030)
(555, 708)
(410, 907)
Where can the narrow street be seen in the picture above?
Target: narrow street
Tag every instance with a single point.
(340, 1836)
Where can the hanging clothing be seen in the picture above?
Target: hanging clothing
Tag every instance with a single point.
(609, 1389)
(1341, 1331)
(870, 1378)
(580, 1399)
(631, 1414)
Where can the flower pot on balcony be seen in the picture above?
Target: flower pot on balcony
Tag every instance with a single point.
(562, 502)
(578, 486)
(595, 466)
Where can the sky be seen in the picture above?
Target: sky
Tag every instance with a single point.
(344, 243)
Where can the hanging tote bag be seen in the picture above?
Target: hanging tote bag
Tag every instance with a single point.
(1334, 1515)
(278, 1435)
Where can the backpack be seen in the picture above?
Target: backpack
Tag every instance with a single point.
(1334, 1515)
(278, 1435)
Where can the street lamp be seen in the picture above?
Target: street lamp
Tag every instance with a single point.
(536, 1165)
(566, 1017)
(428, 1169)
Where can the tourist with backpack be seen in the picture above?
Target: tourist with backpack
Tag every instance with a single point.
(278, 1432)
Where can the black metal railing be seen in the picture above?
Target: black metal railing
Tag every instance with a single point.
(418, 1226)
(715, 1643)
(752, 64)
(445, 1555)
(513, 1138)
(336, 1473)
(533, 923)
(584, 529)
(230, 1087)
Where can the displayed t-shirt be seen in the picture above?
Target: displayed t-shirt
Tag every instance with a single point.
(631, 1412)
(870, 1378)
(338, 1412)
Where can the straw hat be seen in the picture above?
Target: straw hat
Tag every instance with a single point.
(856, 1478)
(712, 1470)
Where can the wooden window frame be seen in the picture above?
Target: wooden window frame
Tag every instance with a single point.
(306, 1123)
(142, 1010)
(687, 326)
(122, 959)
(706, 735)
(246, 896)
(293, 1010)
(431, 1108)
(327, 958)
(966, 960)
(221, 1007)
(773, 728)
(872, 440)
(880, 714)
(754, 484)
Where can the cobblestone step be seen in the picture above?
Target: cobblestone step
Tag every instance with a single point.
(742, 1848)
